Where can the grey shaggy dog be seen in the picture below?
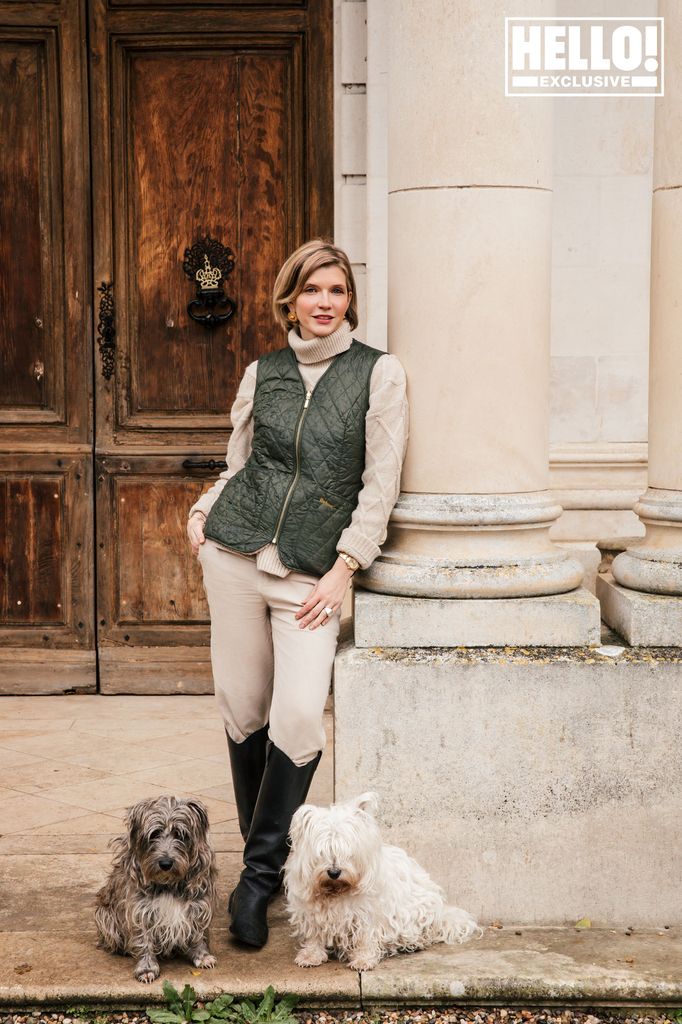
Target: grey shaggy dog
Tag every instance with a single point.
(160, 894)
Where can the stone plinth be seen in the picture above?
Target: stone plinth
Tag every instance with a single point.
(536, 786)
(536, 966)
(566, 620)
(643, 620)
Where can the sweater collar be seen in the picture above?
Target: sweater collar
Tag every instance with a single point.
(317, 349)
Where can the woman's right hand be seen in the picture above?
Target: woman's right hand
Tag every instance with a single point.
(195, 531)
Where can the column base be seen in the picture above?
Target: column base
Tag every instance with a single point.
(466, 546)
(643, 620)
(653, 564)
(557, 620)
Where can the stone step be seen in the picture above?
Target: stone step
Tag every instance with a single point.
(509, 966)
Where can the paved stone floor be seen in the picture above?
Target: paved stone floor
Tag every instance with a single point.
(70, 765)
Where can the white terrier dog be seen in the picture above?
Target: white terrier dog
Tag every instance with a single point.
(348, 893)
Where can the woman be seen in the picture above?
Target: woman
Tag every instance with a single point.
(320, 430)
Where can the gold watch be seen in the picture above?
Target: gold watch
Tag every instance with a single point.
(351, 562)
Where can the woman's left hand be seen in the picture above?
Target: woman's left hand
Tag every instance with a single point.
(328, 592)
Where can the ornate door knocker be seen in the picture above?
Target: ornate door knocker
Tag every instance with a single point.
(208, 263)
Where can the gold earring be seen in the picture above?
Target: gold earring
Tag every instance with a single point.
(292, 318)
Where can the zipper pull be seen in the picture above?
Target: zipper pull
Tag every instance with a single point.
(308, 396)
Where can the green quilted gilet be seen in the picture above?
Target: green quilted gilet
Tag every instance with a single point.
(300, 484)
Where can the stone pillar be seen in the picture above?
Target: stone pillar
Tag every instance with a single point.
(653, 566)
(469, 291)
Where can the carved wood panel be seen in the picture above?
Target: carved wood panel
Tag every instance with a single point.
(31, 328)
(183, 182)
(151, 590)
(46, 542)
(45, 341)
(32, 518)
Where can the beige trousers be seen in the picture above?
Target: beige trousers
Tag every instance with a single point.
(265, 668)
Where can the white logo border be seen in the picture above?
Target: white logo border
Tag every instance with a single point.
(580, 95)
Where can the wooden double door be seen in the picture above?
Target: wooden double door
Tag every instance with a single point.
(130, 130)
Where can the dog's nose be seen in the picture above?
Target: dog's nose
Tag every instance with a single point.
(334, 872)
(165, 863)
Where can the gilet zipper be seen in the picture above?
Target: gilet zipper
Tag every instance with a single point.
(299, 425)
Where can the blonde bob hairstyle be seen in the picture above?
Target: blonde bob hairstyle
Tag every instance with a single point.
(296, 270)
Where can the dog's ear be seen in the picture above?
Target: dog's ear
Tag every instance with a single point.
(368, 802)
(127, 845)
(201, 814)
(301, 821)
(134, 817)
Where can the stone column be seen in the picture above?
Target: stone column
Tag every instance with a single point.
(469, 291)
(653, 566)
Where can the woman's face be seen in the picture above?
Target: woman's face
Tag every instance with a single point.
(322, 303)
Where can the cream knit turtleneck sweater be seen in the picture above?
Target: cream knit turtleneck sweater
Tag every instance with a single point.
(387, 429)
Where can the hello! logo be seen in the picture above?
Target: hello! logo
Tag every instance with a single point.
(583, 56)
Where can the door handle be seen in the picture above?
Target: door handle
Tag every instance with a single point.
(205, 464)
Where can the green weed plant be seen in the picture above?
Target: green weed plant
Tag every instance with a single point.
(183, 1008)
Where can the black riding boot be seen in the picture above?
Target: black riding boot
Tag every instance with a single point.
(283, 789)
(247, 762)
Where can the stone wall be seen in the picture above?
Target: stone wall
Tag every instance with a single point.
(537, 787)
